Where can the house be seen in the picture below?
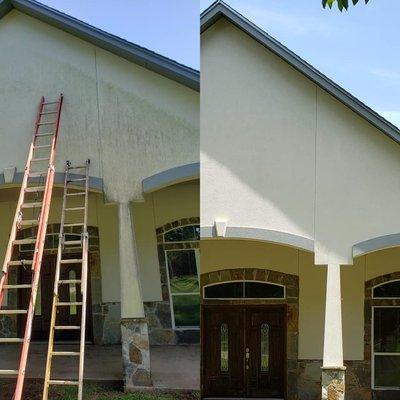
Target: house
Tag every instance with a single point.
(300, 257)
(135, 115)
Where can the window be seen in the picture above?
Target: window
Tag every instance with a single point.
(184, 287)
(387, 290)
(183, 276)
(386, 347)
(244, 290)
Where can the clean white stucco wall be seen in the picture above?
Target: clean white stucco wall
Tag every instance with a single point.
(114, 112)
(281, 154)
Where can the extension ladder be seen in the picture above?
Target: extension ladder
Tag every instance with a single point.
(32, 211)
(80, 212)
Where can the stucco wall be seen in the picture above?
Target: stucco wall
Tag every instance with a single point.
(279, 153)
(115, 112)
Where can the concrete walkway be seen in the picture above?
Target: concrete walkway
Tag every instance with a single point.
(173, 367)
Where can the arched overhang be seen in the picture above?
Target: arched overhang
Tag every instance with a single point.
(261, 234)
(171, 176)
(95, 183)
(375, 244)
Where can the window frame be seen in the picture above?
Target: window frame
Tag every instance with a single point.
(244, 298)
(373, 353)
(196, 255)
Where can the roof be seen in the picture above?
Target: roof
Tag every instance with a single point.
(130, 51)
(219, 9)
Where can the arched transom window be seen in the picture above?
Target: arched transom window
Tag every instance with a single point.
(244, 290)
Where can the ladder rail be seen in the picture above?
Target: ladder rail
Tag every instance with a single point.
(38, 255)
(84, 276)
(47, 376)
(13, 233)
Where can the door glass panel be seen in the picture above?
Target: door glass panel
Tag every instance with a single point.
(387, 371)
(72, 293)
(224, 347)
(387, 330)
(264, 340)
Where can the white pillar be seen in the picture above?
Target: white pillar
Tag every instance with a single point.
(131, 291)
(333, 371)
(134, 327)
(333, 338)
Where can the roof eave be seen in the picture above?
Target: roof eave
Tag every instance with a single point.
(137, 54)
(221, 10)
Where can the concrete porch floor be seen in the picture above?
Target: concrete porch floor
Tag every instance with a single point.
(173, 367)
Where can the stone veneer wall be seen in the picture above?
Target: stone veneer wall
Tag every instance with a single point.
(158, 313)
(291, 283)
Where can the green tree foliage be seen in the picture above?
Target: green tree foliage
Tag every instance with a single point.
(342, 4)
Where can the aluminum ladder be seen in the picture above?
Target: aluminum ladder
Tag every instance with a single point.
(32, 211)
(81, 181)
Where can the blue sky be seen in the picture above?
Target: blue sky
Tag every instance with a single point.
(168, 27)
(359, 49)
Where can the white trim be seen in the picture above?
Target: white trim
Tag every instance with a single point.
(373, 353)
(171, 304)
(244, 298)
(385, 298)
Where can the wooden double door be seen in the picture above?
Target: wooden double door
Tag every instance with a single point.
(243, 351)
(69, 315)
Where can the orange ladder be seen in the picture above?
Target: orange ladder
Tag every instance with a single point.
(32, 211)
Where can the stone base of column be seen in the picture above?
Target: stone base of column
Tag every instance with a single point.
(333, 385)
(135, 353)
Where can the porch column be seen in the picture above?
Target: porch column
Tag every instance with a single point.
(333, 371)
(134, 329)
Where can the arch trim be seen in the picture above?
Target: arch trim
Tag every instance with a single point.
(375, 244)
(261, 234)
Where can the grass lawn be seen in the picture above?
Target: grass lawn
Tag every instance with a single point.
(33, 391)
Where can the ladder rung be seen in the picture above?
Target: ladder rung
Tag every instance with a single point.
(37, 174)
(68, 303)
(32, 205)
(40, 159)
(50, 102)
(67, 328)
(77, 180)
(48, 112)
(42, 146)
(69, 281)
(12, 312)
(76, 194)
(45, 134)
(9, 372)
(29, 222)
(77, 167)
(47, 123)
(77, 224)
(20, 263)
(57, 382)
(21, 286)
(25, 241)
(73, 242)
(74, 208)
(11, 340)
(71, 261)
(66, 353)
(33, 189)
